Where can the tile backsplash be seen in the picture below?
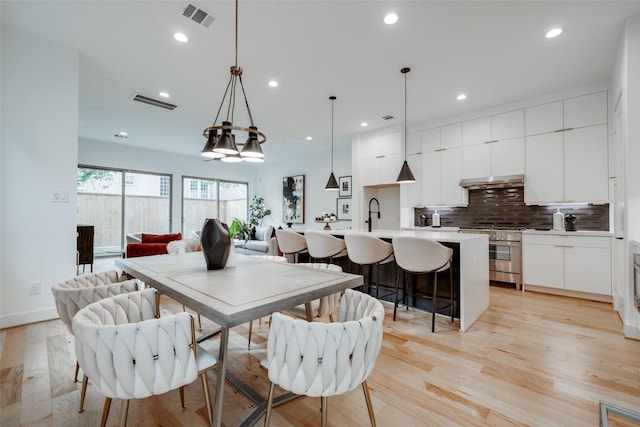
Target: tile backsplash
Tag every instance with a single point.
(505, 207)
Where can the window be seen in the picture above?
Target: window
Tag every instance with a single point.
(215, 199)
(115, 209)
(164, 185)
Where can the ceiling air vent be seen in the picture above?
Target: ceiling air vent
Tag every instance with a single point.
(388, 117)
(198, 15)
(154, 102)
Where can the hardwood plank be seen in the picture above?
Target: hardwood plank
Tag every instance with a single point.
(10, 386)
(61, 366)
(531, 359)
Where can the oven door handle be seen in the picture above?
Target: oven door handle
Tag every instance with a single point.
(504, 243)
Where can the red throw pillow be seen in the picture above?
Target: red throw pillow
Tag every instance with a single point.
(160, 238)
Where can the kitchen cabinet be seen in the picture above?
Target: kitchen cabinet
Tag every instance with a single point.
(576, 112)
(493, 158)
(381, 158)
(414, 190)
(568, 166)
(441, 174)
(494, 145)
(440, 168)
(569, 262)
(566, 151)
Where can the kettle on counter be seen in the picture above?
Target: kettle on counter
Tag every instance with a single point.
(570, 222)
(423, 220)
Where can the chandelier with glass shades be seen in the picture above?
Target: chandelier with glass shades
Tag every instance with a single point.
(223, 146)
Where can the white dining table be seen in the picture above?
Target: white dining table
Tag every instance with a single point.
(254, 288)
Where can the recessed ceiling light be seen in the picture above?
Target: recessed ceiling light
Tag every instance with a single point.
(554, 32)
(164, 94)
(309, 138)
(364, 124)
(390, 19)
(461, 97)
(181, 37)
(273, 83)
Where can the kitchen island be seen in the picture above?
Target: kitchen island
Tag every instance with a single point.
(473, 276)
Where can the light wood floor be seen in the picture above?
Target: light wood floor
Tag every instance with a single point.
(530, 360)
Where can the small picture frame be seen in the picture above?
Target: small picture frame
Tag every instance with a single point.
(344, 184)
(343, 209)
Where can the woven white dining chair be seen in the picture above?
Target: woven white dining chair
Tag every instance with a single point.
(326, 359)
(129, 353)
(74, 294)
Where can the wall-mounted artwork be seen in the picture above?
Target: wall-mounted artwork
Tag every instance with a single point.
(343, 209)
(293, 199)
(344, 184)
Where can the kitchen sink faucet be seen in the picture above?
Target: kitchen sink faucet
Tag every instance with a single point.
(370, 212)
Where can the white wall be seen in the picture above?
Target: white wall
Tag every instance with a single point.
(38, 142)
(626, 81)
(96, 153)
(316, 169)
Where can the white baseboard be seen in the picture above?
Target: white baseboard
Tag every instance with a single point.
(28, 317)
(632, 331)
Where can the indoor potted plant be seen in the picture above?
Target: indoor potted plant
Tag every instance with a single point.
(240, 229)
(257, 211)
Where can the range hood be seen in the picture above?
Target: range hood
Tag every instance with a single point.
(505, 181)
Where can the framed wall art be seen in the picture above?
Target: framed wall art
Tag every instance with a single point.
(344, 184)
(293, 199)
(343, 209)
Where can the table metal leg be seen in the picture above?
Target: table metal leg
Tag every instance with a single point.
(221, 368)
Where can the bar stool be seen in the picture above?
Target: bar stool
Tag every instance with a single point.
(365, 249)
(417, 255)
(291, 243)
(322, 245)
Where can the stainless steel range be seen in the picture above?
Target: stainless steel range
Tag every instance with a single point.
(505, 253)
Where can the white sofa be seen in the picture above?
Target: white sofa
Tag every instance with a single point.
(264, 242)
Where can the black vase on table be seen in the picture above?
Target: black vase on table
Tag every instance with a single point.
(215, 242)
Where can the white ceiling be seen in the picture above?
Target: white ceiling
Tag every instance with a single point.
(494, 51)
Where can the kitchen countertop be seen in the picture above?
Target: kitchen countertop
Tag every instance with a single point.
(570, 233)
(441, 235)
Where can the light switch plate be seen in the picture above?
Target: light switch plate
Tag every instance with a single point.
(59, 196)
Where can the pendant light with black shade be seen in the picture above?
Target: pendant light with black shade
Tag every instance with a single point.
(406, 176)
(332, 184)
(224, 146)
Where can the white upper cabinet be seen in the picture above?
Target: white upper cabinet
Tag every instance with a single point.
(544, 118)
(430, 140)
(580, 111)
(493, 145)
(586, 110)
(414, 189)
(382, 158)
(442, 166)
(476, 131)
(586, 173)
(451, 136)
(566, 151)
(414, 145)
(507, 125)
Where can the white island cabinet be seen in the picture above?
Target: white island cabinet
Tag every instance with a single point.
(474, 266)
(569, 261)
